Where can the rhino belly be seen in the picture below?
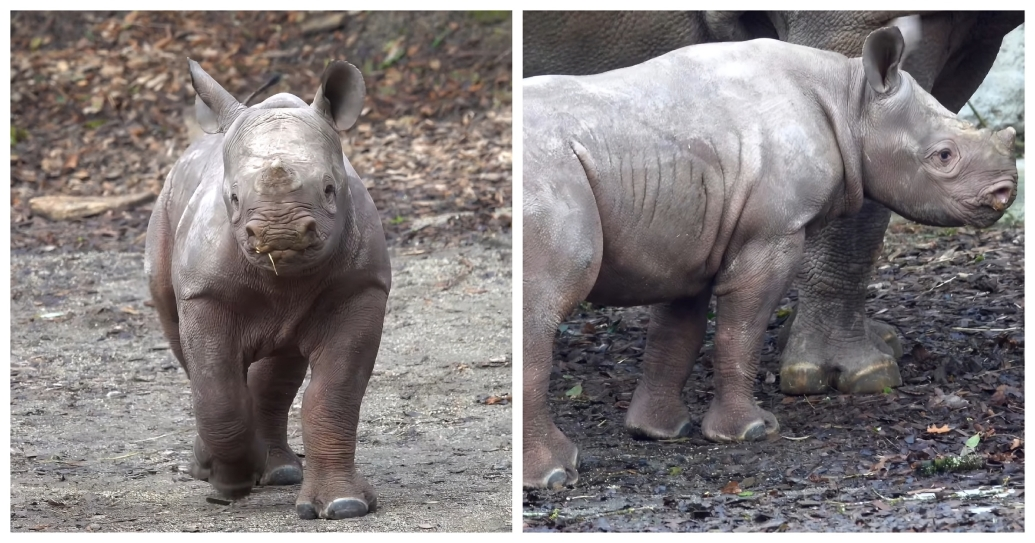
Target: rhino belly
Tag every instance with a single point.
(660, 214)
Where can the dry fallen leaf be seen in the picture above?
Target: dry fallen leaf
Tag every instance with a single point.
(934, 429)
(732, 487)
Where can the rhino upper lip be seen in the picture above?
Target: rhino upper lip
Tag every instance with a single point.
(1000, 195)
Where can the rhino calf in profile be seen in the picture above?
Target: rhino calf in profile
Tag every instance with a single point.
(265, 256)
(701, 172)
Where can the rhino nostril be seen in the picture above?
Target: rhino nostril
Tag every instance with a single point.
(307, 225)
(251, 229)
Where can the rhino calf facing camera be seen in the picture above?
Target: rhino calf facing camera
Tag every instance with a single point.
(265, 257)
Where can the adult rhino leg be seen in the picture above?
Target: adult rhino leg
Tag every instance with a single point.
(831, 343)
(273, 383)
(674, 339)
(562, 256)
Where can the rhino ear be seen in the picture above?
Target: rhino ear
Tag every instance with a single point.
(911, 27)
(341, 93)
(216, 109)
(882, 56)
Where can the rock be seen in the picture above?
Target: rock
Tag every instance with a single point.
(63, 208)
(323, 23)
(999, 100)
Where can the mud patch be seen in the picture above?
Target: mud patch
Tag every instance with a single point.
(841, 463)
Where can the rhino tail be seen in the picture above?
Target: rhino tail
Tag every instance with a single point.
(215, 108)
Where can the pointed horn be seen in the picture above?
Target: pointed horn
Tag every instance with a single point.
(216, 108)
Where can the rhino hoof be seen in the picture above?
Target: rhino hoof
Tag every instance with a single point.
(306, 511)
(557, 479)
(346, 508)
(872, 379)
(282, 475)
(649, 435)
(755, 432)
(338, 509)
(725, 425)
(805, 378)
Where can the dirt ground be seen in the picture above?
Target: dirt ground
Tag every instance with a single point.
(101, 421)
(102, 426)
(840, 463)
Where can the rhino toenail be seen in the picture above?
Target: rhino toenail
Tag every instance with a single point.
(556, 479)
(306, 511)
(283, 475)
(755, 432)
(346, 508)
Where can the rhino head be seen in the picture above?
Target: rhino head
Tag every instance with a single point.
(918, 158)
(284, 177)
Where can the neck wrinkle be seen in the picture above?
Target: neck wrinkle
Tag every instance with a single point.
(843, 109)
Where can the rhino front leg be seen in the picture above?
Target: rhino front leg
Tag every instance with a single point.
(342, 363)
(747, 292)
(674, 339)
(832, 344)
(273, 383)
(225, 451)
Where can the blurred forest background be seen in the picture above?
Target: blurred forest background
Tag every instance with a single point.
(101, 106)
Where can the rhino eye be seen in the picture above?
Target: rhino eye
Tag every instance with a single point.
(233, 200)
(945, 155)
(329, 190)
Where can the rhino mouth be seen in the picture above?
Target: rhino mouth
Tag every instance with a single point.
(284, 260)
(1001, 195)
(991, 204)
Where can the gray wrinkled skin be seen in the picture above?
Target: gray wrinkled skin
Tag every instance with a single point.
(828, 343)
(702, 172)
(265, 256)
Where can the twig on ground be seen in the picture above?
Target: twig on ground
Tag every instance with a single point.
(960, 329)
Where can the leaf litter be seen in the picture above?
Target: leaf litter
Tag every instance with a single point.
(101, 105)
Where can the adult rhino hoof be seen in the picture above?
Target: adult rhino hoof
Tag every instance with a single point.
(807, 378)
(884, 334)
(851, 361)
(338, 509)
(727, 425)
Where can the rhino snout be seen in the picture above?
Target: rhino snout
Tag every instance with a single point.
(298, 235)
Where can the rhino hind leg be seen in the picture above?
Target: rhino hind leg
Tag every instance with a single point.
(674, 339)
(273, 383)
(831, 344)
(562, 258)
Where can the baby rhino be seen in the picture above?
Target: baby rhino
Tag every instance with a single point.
(701, 172)
(265, 256)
